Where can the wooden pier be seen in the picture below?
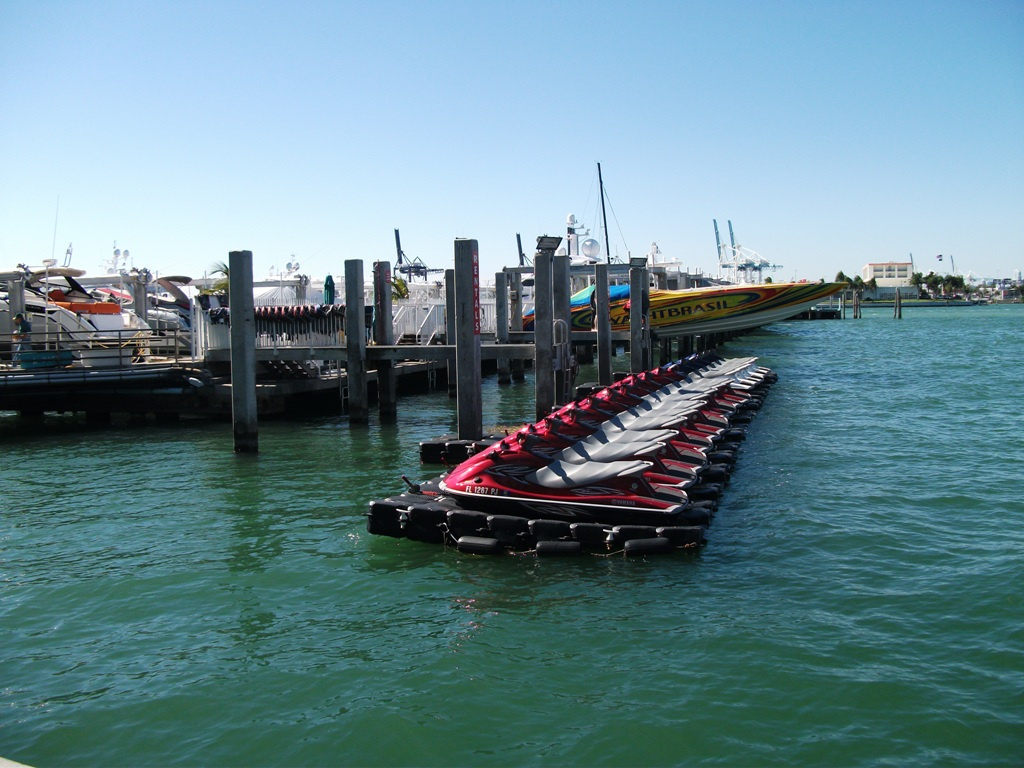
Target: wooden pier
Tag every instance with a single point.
(269, 369)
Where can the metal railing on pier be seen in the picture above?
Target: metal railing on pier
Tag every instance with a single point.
(323, 325)
(124, 349)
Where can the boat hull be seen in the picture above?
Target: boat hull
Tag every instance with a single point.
(726, 308)
(606, 506)
(710, 310)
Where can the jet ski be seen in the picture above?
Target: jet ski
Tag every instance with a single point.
(638, 464)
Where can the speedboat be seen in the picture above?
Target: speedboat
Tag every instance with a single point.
(710, 309)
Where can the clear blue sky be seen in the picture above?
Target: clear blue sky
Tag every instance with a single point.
(831, 134)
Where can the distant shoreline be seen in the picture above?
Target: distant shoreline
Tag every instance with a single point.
(922, 303)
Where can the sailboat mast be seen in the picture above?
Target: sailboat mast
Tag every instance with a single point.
(604, 217)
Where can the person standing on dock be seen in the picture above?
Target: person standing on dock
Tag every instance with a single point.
(21, 336)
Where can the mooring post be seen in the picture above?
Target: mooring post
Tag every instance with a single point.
(467, 339)
(449, 328)
(561, 311)
(16, 296)
(140, 299)
(542, 332)
(645, 289)
(604, 325)
(501, 329)
(242, 316)
(898, 309)
(516, 296)
(355, 342)
(384, 335)
(636, 319)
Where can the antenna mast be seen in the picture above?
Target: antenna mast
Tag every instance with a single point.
(604, 217)
(56, 217)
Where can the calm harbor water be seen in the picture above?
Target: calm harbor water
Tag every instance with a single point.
(860, 603)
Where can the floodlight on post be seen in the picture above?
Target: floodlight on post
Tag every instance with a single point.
(548, 243)
(638, 261)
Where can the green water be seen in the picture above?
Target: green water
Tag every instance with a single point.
(860, 602)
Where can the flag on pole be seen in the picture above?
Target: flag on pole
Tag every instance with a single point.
(939, 257)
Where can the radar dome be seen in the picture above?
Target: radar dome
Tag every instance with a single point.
(590, 248)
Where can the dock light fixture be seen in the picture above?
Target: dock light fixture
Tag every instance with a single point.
(548, 242)
(638, 261)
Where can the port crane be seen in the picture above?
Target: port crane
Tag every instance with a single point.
(740, 265)
(410, 268)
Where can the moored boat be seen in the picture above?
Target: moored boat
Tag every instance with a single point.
(710, 309)
(69, 323)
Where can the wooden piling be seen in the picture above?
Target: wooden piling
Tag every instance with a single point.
(636, 319)
(898, 305)
(384, 335)
(602, 318)
(645, 293)
(516, 297)
(140, 298)
(355, 342)
(561, 312)
(467, 339)
(501, 324)
(542, 333)
(449, 327)
(242, 316)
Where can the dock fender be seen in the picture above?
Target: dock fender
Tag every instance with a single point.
(558, 548)
(479, 545)
(653, 546)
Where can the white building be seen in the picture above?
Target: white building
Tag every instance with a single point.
(889, 276)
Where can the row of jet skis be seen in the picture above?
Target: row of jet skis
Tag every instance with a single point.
(636, 467)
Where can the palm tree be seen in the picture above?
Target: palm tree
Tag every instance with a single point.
(399, 288)
(222, 272)
(917, 280)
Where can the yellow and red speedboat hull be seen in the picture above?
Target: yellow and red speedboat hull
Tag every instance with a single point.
(713, 309)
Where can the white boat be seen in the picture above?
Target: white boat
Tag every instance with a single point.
(70, 321)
